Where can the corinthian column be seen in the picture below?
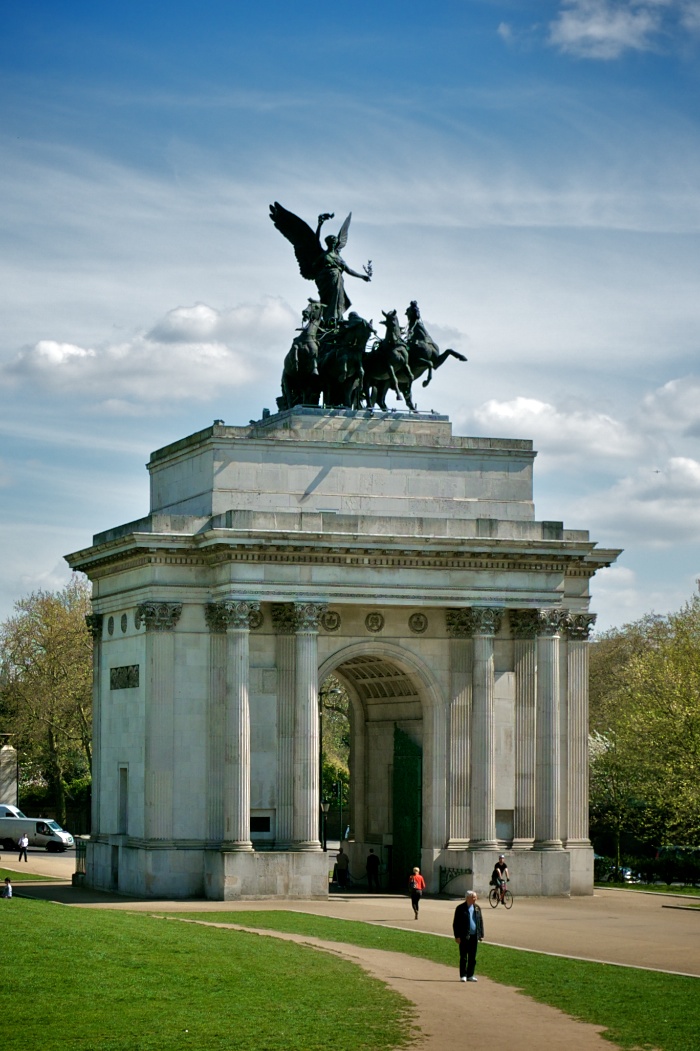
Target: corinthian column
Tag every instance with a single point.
(307, 799)
(523, 624)
(578, 629)
(548, 796)
(486, 622)
(93, 623)
(284, 623)
(237, 744)
(160, 619)
(459, 628)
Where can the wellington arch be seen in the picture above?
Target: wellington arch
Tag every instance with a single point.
(403, 559)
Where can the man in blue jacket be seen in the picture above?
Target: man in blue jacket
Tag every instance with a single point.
(468, 929)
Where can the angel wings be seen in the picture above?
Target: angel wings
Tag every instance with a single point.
(325, 266)
(307, 245)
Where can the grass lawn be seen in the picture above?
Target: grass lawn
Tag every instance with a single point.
(640, 1009)
(96, 980)
(20, 877)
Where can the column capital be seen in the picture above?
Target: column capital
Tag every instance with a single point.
(231, 613)
(93, 623)
(523, 623)
(158, 616)
(308, 614)
(486, 620)
(579, 625)
(459, 623)
(550, 622)
(283, 618)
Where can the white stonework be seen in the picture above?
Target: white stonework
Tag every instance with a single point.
(404, 560)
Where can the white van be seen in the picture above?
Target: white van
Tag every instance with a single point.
(42, 832)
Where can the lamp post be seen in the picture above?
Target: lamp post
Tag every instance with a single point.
(339, 785)
(325, 807)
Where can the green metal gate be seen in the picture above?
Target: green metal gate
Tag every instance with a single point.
(407, 808)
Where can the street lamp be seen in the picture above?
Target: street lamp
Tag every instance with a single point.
(325, 807)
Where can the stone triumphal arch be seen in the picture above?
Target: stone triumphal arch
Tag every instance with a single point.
(404, 560)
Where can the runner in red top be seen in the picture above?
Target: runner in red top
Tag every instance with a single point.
(417, 885)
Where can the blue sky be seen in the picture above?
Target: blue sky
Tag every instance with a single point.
(529, 172)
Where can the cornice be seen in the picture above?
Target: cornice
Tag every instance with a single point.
(376, 552)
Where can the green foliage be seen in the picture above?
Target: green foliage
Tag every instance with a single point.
(46, 689)
(114, 981)
(645, 745)
(335, 745)
(638, 1008)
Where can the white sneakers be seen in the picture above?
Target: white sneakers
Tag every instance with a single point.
(463, 979)
(472, 979)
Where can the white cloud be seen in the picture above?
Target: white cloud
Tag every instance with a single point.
(604, 29)
(656, 506)
(559, 434)
(192, 353)
(675, 407)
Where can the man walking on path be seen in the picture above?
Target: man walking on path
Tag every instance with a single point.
(23, 844)
(468, 929)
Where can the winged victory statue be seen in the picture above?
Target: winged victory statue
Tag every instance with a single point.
(324, 265)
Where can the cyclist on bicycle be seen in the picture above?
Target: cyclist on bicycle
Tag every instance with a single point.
(500, 875)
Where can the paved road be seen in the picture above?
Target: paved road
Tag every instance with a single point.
(616, 926)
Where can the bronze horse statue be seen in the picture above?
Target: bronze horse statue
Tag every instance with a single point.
(300, 379)
(387, 367)
(341, 358)
(423, 351)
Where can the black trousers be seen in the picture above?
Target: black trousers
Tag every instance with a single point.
(22, 850)
(372, 879)
(467, 955)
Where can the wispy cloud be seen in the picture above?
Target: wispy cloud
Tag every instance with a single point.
(606, 28)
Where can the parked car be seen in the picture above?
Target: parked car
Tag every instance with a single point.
(606, 871)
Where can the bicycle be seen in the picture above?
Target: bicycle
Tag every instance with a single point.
(497, 898)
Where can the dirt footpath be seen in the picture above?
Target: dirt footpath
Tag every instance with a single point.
(452, 1014)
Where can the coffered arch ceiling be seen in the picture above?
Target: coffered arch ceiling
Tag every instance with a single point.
(376, 678)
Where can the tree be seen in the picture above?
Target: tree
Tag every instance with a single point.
(46, 685)
(645, 714)
(335, 743)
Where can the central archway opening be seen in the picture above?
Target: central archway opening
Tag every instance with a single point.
(384, 762)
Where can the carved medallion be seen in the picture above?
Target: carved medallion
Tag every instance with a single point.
(418, 623)
(123, 623)
(374, 622)
(110, 626)
(330, 620)
(256, 619)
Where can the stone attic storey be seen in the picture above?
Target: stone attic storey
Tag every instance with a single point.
(404, 560)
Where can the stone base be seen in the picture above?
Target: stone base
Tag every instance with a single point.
(581, 868)
(180, 873)
(533, 873)
(272, 874)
